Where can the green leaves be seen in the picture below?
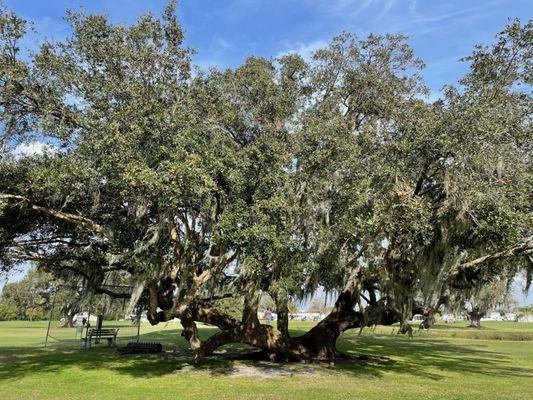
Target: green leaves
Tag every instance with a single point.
(288, 173)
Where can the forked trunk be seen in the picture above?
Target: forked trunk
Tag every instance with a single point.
(406, 328)
(475, 318)
(69, 320)
(321, 341)
(69, 311)
(275, 344)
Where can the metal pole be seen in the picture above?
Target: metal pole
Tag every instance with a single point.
(139, 323)
(88, 320)
(50, 318)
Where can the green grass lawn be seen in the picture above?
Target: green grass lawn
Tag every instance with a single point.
(434, 365)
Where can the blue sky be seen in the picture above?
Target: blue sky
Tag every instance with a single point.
(225, 32)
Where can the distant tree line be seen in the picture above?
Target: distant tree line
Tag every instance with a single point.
(38, 293)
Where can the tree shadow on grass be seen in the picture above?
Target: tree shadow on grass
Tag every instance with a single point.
(423, 357)
(428, 357)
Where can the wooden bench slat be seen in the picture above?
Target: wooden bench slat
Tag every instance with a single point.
(106, 333)
(104, 330)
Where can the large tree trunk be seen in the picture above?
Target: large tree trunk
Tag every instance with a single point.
(69, 311)
(69, 320)
(320, 342)
(283, 313)
(475, 318)
(275, 344)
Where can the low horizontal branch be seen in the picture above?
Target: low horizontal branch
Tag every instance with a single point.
(78, 220)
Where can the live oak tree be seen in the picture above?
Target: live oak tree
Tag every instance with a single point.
(277, 177)
(428, 198)
(479, 301)
(487, 215)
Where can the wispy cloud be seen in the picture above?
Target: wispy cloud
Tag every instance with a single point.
(345, 8)
(306, 50)
(385, 9)
(450, 15)
(222, 43)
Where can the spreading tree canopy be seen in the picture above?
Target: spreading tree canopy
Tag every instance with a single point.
(277, 177)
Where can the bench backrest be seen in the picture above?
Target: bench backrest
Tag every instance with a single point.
(101, 332)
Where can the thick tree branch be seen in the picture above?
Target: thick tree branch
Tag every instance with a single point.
(521, 248)
(78, 220)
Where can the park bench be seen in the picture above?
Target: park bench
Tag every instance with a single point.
(97, 334)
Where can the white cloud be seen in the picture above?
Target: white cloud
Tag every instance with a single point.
(34, 148)
(385, 9)
(355, 6)
(222, 43)
(305, 50)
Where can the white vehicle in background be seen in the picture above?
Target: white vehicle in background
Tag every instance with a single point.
(448, 318)
(418, 318)
(78, 318)
(133, 317)
(493, 316)
(306, 316)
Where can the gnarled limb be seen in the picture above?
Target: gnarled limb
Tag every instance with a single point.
(215, 317)
(524, 247)
(78, 220)
(320, 341)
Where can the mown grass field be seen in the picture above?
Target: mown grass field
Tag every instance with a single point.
(449, 362)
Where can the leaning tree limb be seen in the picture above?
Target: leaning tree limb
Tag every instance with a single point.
(78, 220)
(518, 249)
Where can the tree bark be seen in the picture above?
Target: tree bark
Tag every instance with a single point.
(69, 320)
(69, 310)
(320, 342)
(475, 318)
(282, 310)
